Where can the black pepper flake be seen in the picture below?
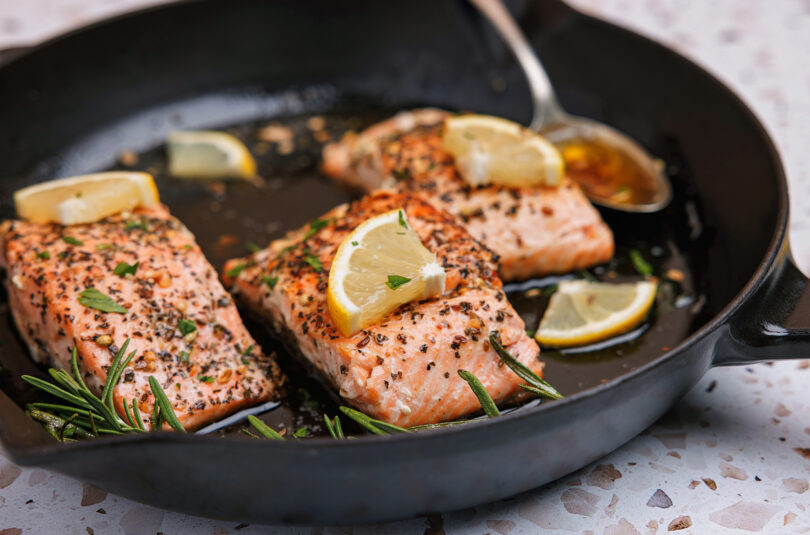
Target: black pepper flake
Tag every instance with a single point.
(423, 348)
(363, 343)
(343, 370)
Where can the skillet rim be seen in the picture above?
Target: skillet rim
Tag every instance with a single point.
(44, 455)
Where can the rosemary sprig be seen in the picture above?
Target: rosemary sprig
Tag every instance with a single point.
(537, 384)
(490, 409)
(378, 427)
(334, 427)
(84, 415)
(265, 430)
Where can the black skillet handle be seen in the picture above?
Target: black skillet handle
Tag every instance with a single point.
(774, 323)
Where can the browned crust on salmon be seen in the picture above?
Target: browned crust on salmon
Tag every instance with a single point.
(535, 231)
(404, 369)
(207, 374)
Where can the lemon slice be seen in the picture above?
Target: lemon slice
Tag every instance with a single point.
(492, 150)
(86, 198)
(381, 265)
(212, 155)
(583, 312)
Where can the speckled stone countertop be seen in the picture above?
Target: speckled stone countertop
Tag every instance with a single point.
(733, 456)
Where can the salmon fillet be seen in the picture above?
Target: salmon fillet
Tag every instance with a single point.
(404, 369)
(535, 231)
(180, 320)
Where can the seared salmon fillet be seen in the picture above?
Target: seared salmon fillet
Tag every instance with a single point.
(404, 369)
(534, 230)
(176, 314)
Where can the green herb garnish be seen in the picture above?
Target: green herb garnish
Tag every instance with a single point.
(92, 298)
(315, 226)
(83, 415)
(395, 281)
(183, 356)
(265, 430)
(205, 379)
(355, 243)
(313, 261)
(71, 240)
(236, 270)
(490, 409)
(45, 255)
(186, 326)
(334, 427)
(537, 384)
(642, 266)
(104, 246)
(132, 225)
(378, 427)
(402, 221)
(252, 247)
(268, 280)
(248, 351)
(123, 269)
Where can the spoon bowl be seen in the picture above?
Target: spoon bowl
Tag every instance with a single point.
(612, 169)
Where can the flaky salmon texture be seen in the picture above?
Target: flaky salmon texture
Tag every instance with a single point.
(404, 369)
(179, 319)
(535, 231)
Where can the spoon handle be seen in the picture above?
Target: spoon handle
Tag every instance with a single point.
(546, 108)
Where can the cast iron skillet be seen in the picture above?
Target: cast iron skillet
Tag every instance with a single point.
(71, 105)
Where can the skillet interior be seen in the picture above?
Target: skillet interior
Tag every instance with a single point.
(73, 106)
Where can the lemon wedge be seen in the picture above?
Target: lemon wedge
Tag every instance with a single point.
(207, 154)
(491, 150)
(86, 198)
(381, 265)
(582, 312)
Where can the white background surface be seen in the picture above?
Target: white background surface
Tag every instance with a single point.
(741, 436)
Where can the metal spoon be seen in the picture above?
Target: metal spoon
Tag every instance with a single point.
(613, 170)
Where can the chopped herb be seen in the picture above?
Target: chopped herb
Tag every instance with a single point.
(401, 174)
(550, 290)
(288, 249)
(402, 221)
(401, 233)
(301, 432)
(104, 246)
(71, 240)
(248, 351)
(132, 225)
(183, 356)
(123, 269)
(186, 326)
(245, 361)
(45, 255)
(313, 261)
(355, 243)
(205, 379)
(236, 270)
(395, 281)
(268, 280)
(62, 255)
(188, 247)
(314, 227)
(92, 298)
(642, 266)
(468, 135)
(252, 247)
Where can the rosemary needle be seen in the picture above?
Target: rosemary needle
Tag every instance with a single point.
(539, 385)
(378, 427)
(490, 409)
(265, 430)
